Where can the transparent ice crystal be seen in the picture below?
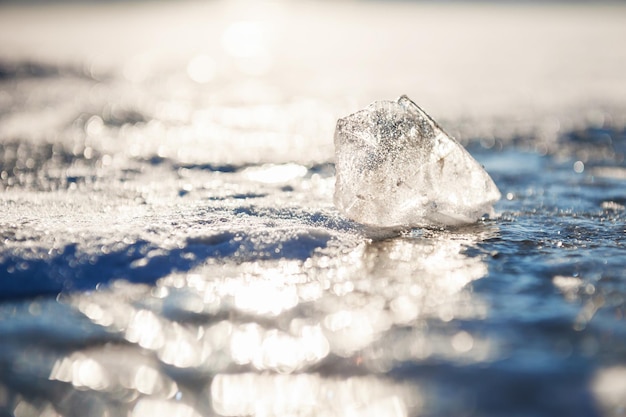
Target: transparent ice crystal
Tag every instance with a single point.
(396, 167)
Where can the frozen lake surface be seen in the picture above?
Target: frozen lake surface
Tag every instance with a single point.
(169, 243)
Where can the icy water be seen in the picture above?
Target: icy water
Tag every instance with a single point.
(169, 244)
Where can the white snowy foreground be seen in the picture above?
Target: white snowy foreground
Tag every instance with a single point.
(169, 243)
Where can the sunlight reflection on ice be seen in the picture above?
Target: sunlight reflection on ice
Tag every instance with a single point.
(258, 127)
(276, 350)
(427, 281)
(275, 174)
(148, 407)
(81, 371)
(417, 280)
(377, 305)
(609, 388)
(145, 330)
(185, 349)
(101, 371)
(279, 395)
(266, 299)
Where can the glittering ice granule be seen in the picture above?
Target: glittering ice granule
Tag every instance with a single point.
(396, 167)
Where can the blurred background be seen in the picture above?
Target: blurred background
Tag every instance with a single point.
(523, 63)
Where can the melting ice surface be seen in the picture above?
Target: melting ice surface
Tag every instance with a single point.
(396, 167)
(169, 244)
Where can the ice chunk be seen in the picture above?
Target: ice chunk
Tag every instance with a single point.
(396, 167)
